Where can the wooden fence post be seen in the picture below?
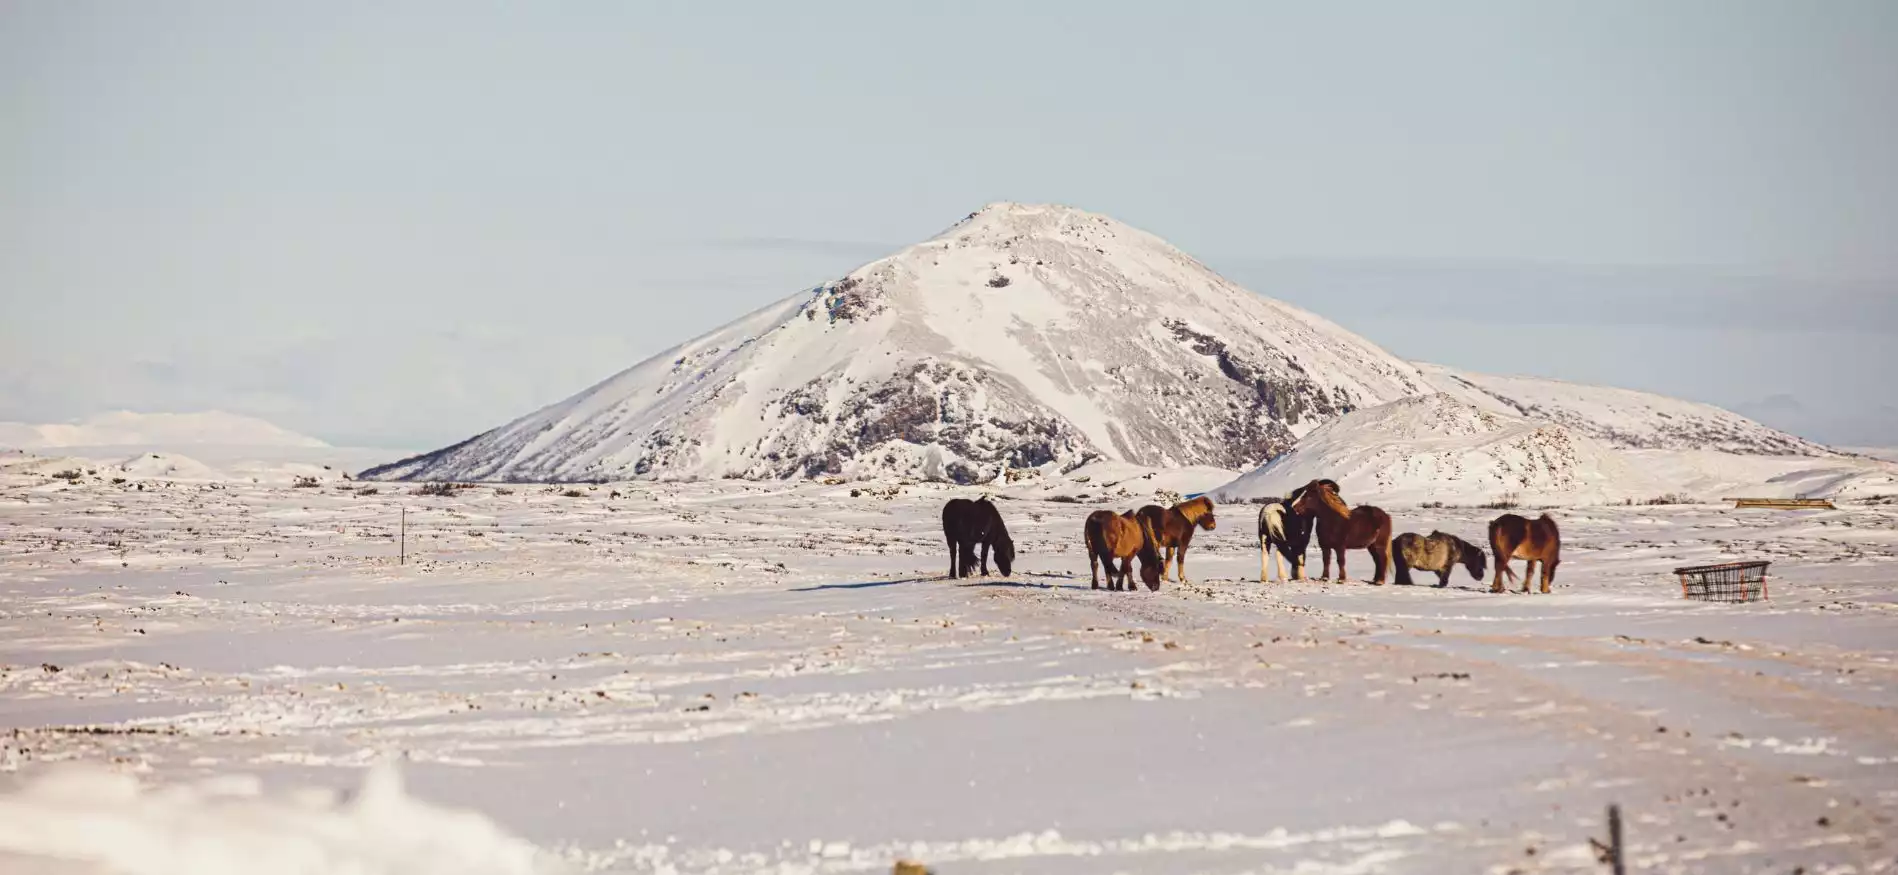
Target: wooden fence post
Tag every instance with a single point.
(1614, 840)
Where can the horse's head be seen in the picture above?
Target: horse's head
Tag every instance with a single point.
(1474, 559)
(1005, 555)
(1308, 498)
(1150, 574)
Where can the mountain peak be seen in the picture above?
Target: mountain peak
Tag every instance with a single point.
(1024, 336)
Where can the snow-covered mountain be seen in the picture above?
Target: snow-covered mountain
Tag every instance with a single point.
(1441, 447)
(1621, 417)
(125, 429)
(1438, 446)
(1024, 336)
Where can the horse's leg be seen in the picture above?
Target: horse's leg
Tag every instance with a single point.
(1278, 562)
(1094, 568)
(1182, 563)
(953, 547)
(1265, 559)
(1380, 562)
(1502, 566)
(1402, 577)
(1548, 576)
(1343, 575)
(1528, 573)
(1443, 577)
(985, 558)
(1324, 552)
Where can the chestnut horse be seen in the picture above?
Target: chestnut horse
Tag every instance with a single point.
(1110, 536)
(1342, 527)
(1537, 540)
(1174, 527)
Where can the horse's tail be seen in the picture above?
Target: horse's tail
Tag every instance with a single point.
(1272, 522)
(1149, 539)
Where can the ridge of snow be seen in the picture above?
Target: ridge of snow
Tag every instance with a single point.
(126, 428)
(70, 815)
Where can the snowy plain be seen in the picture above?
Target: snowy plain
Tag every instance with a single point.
(743, 677)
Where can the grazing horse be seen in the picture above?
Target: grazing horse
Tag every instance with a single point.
(1537, 540)
(1174, 527)
(1438, 552)
(1342, 527)
(1287, 532)
(967, 524)
(1109, 537)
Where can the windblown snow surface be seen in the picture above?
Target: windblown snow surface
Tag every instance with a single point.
(733, 676)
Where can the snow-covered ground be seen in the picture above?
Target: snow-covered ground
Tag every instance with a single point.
(744, 677)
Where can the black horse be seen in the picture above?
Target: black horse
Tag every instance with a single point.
(1286, 533)
(968, 523)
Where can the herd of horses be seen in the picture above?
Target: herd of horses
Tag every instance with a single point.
(1158, 537)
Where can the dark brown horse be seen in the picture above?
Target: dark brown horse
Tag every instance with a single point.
(967, 524)
(1174, 527)
(1120, 537)
(1537, 540)
(1342, 527)
(1287, 533)
(1436, 552)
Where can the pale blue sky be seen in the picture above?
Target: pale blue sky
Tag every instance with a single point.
(403, 223)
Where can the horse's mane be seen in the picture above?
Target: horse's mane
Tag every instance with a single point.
(1195, 509)
(1331, 499)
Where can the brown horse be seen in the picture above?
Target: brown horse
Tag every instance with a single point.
(1174, 526)
(1537, 540)
(1342, 527)
(1110, 536)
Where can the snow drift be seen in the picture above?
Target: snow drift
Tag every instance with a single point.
(87, 819)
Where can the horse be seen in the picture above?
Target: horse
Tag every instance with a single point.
(967, 524)
(1288, 532)
(1175, 526)
(1537, 540)
(1438, 552)
(1110, 536)
(1341, 528)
